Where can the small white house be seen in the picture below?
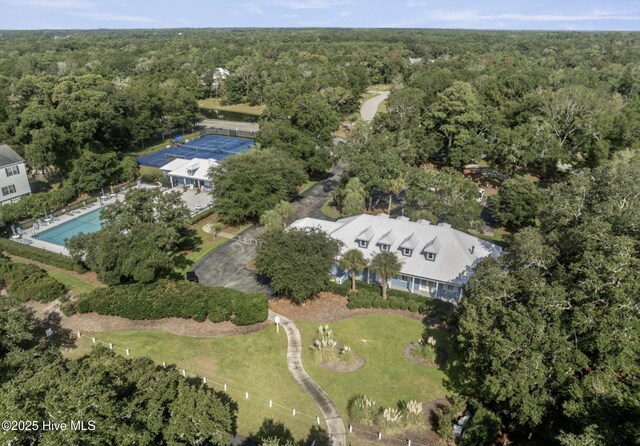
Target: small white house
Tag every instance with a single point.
(437, 260)
(191, 173)
(13, 176)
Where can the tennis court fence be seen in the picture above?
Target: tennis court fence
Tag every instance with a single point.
(228, 132)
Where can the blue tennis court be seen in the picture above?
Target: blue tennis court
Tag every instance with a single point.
(212, 146)
(87, 223)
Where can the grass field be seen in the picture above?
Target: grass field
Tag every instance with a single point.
(306, 186)
(73, 281)
(74, 284)
(330, 211)
(208, 243)
(159, 145)
(238, 108)
(387, 376)
(255, 363)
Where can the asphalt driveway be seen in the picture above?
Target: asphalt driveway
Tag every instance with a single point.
(226, 266)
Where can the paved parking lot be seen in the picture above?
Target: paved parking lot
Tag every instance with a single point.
(226, 265)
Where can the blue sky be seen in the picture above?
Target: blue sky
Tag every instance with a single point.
(478, 14)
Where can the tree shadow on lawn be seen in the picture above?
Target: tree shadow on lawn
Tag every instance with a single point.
(59, 336)
(278, 430)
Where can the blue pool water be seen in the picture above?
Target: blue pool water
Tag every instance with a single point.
(87, 223)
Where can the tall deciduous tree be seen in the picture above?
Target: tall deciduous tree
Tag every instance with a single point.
(385, 265)
(298, 261)
(517, 203)
(247, 185)
(126, 400)
(549, 335)
(443, 196)
(455, 117)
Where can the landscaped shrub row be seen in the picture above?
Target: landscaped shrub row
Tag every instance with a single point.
(369, 295)
(33, 206)
(28, 282)
(40, 255)
(186, 300)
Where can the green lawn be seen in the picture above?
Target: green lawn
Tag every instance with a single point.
(160, 145)
(387, 376)
(214, 103)
(330, 211)
(255, 363)
(306, 186)
(72, 283)
(207, 244)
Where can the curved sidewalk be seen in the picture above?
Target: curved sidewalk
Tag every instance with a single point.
(335, 426)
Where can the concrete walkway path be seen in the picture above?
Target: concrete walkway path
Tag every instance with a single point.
(335, 425)
(370, 108)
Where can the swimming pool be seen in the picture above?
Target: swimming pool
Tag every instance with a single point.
(87, 223)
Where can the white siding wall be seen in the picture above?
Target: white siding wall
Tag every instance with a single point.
(19, 180)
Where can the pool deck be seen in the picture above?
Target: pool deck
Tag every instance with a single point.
(47, 246)
(196, 202)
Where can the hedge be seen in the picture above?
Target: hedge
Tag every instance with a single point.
(33, 206)
(204, 214)
(40, 255)
(28, 282)
(162, 299)
(370, 295)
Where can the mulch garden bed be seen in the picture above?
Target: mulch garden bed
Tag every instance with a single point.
(441, 356)
(341, 366)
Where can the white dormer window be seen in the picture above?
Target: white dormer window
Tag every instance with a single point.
(431, 256)
(363, 243)
(384, 248)
(407, 252)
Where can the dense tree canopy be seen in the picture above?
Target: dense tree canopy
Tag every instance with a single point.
(443, 196)
(298, 261)
(138, 238)
(517, 203)
(247, 185)
(549, 334)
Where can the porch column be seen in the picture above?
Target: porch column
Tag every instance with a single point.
(413, 284)
(171, 180)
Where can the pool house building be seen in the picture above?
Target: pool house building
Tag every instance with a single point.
(191, 173)
(437, 260)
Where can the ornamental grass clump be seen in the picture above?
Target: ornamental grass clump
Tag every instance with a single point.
(428, 350)
(390, 420)
(414, 418)
(362, 410)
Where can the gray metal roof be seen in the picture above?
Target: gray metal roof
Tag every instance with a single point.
(457, 252)
(8, 156)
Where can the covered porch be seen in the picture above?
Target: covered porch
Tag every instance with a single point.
(416, 285)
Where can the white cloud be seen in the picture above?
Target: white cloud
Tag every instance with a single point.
(108, 17)
(474, 16)
(310, 4)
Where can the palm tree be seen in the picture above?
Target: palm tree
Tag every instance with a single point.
(385, 264)
(354, 261)
(394, 187)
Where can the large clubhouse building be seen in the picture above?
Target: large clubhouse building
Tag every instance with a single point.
(437, 260)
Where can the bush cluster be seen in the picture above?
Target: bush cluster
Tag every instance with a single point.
(33, 206)
(28, 282)
(40, 255)
(164, 298)
(369, 296)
